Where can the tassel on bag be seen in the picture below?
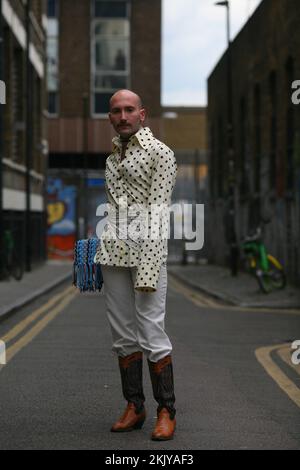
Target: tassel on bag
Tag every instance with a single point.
(87, 275)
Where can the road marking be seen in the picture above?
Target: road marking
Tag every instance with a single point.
(33, 316)
(38, 327)
(195, 297)
(263, 356)
(202, 301)
(286, 355)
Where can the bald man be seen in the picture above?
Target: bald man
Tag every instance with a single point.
(140, 173)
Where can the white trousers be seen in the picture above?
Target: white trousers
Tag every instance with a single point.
(137, 319)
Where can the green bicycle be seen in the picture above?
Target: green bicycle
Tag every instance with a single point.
(266, 268)
(12, 264)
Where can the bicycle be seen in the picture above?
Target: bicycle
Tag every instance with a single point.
(266, 268)
(12, 265)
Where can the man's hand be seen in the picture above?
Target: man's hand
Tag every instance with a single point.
(145, 289)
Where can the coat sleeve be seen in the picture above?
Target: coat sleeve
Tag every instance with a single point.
(152, 248)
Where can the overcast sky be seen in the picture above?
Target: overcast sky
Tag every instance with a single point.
(194, 38)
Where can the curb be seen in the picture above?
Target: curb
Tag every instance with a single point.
(217, 296)
(228, 300)
(7, 310)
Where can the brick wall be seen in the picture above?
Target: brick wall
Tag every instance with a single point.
(146, 53)
(74, 56)
(265, 57)
(186, 129)
(74, 66)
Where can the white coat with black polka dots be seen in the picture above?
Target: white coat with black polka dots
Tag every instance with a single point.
(145, 177)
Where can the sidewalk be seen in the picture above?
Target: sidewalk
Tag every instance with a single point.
(242, 290)
(15, 294)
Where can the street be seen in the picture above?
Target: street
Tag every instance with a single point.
(60, 388)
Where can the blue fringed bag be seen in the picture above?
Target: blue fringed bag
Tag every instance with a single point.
(87, 275)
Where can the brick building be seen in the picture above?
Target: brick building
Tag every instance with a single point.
(96, 47)
(18, 133)
(101, 46)
(266, 127)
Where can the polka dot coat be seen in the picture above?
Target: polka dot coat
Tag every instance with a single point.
(146, 176)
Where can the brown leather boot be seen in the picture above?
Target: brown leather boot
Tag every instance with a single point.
(131, 369)
(130, 420)
(161, 374)
(165, 426)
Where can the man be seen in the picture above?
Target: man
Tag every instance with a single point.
(140, 172)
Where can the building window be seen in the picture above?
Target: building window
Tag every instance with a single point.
(110, 51)
(52, 56)
(52, 11)
(110, 9)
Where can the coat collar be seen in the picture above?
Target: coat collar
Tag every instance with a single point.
(142, 137)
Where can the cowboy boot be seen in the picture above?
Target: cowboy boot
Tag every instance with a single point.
(161, 374)
(131, 369)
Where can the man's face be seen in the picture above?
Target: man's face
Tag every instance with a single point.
(126, 114)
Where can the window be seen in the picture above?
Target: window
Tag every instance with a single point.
(52, 9)
(52, 56)
(110, 9)
(52, 102)
(110, 51)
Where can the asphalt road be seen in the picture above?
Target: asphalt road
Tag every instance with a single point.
(60, 388)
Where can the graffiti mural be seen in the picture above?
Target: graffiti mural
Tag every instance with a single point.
(61, 212)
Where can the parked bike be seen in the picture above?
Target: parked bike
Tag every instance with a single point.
(266, 268)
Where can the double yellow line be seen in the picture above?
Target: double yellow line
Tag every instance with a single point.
(195, 297)
(264, 357)
(54, 306)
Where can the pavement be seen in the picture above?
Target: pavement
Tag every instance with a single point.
(42, 279)
(242, 290)
(215, 281)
